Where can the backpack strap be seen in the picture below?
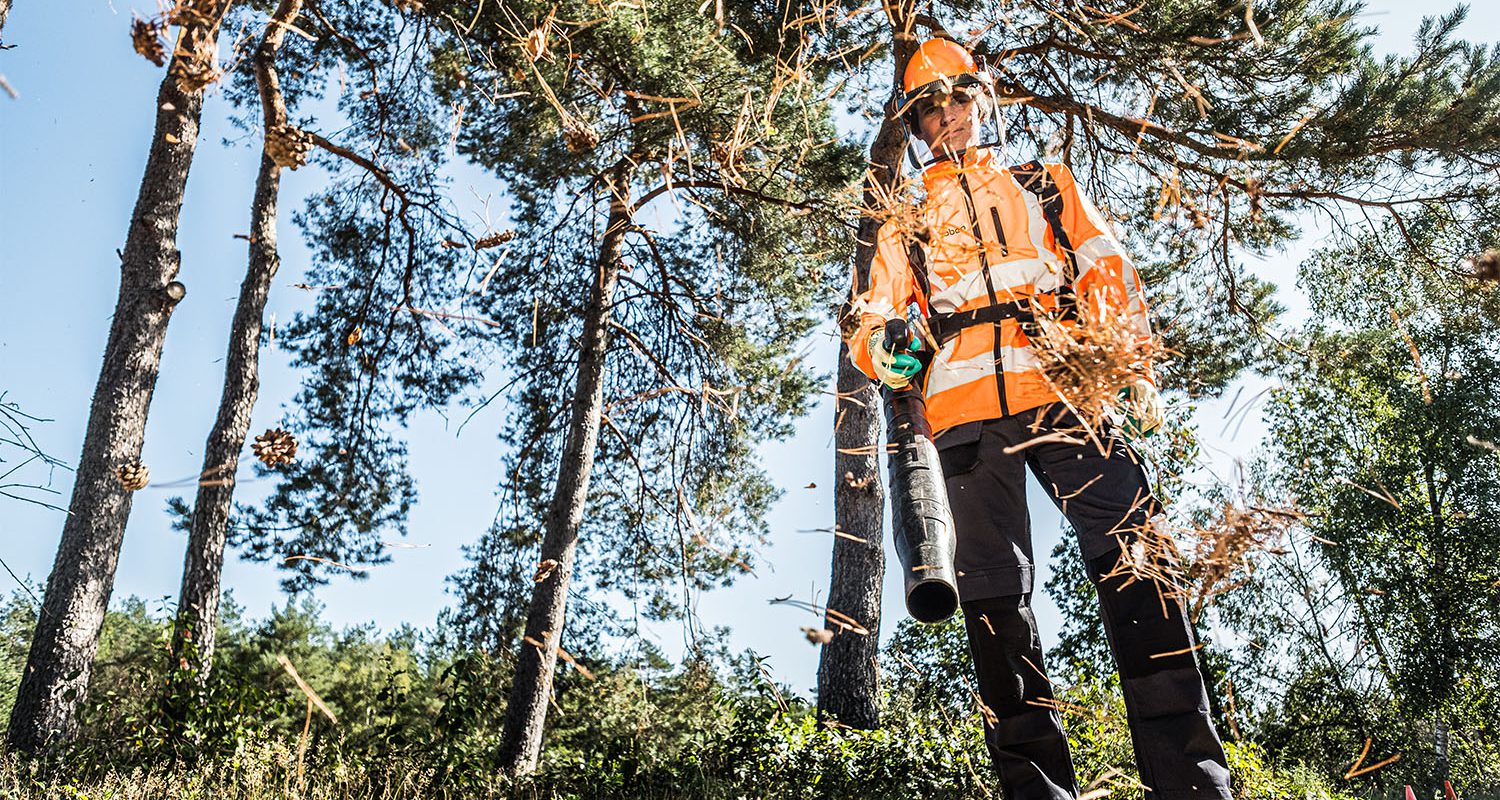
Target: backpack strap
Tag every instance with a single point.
(1035, 178)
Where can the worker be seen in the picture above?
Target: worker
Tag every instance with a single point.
(992, 249)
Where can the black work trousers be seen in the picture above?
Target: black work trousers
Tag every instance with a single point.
(1106, 497)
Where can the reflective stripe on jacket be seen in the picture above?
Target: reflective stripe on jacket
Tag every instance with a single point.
(1025, 263)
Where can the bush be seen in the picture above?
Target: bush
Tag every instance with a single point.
(417, 721)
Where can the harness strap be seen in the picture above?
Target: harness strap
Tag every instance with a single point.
(946, 326)
(1035, 178)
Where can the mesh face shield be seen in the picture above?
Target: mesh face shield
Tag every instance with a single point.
(970, 84)
(974, 87)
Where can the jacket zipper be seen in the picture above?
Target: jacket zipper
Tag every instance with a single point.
(989, 285)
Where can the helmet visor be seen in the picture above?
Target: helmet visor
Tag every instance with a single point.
(943, 86)
(939, 98)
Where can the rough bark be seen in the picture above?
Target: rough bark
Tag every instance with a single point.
(202, 571)
(59, 664)
(536, 661)
(848, 674)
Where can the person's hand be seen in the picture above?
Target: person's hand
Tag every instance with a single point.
(894, 369)
(1143, 408)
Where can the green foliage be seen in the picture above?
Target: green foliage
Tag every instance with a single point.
(733, 227)
(418, 721)
(931, 663)
(1372, 432)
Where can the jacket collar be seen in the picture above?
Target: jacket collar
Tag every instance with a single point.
(969, 160)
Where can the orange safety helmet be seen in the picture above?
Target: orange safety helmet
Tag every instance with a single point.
(938, 66)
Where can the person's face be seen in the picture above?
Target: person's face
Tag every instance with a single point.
(948, 123)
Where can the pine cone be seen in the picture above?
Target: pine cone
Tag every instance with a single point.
(133, 476)
(197, 68)
(288, 146)
(145, 35)
(414, 6)
(578, 136)
(275, 447)
(1487, 266)
(495, 239)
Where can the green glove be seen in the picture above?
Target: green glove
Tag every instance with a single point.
(893, 369)
(1143, 409)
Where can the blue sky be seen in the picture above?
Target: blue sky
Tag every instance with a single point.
(72, 148)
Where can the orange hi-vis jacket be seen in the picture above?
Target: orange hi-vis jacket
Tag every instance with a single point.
(989, 244)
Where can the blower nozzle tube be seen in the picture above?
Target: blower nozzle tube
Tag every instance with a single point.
(921, 519)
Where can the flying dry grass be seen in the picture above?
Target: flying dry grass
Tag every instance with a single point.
(1195, 564)
(1088, 362)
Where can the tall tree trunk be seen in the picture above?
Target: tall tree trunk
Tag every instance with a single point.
(198, 600)
(536, 662)
(83, 574)
(848, 675)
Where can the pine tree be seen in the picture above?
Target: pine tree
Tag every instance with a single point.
(388, 257)
(673, 175)
(848, 666)
(78, 589)
(198, 599)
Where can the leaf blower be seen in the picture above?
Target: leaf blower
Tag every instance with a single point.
(921, 520)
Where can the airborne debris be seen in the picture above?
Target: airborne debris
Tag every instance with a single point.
(495, 240)
(146, 37)
(1089, 363)
(276, 447)
(133, 476)
(1220, 556)
(818, 635)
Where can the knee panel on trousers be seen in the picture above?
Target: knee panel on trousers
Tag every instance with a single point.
(1145, 622)
(1007, 653)
(1009, 621)
(1167, 693)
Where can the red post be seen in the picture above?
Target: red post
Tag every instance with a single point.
(1448, 791)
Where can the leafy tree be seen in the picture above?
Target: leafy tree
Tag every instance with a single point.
(1379, 433)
